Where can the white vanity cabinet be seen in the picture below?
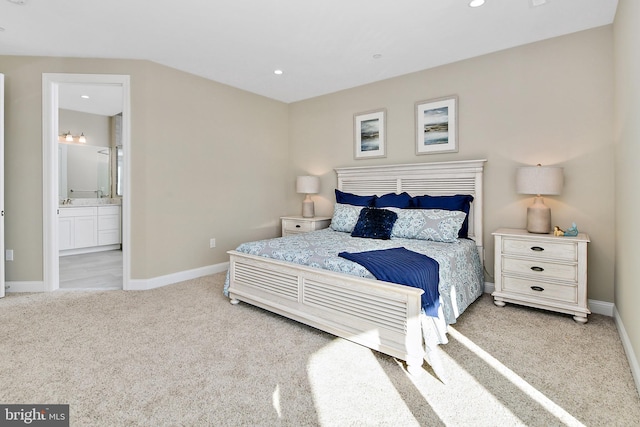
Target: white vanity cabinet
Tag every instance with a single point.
(109, 225)
(88, 229)
(78, 227)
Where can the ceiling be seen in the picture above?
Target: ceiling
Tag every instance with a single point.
(105, 100)
(322, 46)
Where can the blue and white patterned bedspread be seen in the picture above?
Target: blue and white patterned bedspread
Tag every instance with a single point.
(460, 266)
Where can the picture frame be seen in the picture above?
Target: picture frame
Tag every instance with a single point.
(437, 125)
(369, 134)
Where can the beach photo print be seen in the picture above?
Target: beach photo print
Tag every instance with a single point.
(369, 134)
(437, 126)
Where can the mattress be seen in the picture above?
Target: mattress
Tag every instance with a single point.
(461, 279)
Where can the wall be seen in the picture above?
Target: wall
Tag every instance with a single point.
(549, 102)
(627, 140)
(213, 161)
(208, 160)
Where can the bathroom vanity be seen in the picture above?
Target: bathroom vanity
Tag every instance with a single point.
(86, 228)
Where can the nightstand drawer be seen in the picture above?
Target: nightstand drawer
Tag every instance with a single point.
(554, 250)
(298, 224)
(551, 291)
(542, 269)
(295, 226)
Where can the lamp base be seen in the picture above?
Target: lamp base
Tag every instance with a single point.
(538, 217)
(308, 208)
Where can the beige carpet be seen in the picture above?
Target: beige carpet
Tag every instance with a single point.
(182, 355)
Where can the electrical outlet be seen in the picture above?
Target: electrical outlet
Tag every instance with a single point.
(8, 256)
(212, 242)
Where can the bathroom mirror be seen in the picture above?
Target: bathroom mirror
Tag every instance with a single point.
(87, 165)
(84, 171)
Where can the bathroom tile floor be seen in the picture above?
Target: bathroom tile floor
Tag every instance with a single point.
(94, 271)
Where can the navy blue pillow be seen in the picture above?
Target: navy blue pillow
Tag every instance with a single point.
(394, 200)
(375, 223)
(353, 199)
(459, 202)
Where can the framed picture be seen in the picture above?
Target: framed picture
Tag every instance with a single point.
(369, 131)
(437, 126)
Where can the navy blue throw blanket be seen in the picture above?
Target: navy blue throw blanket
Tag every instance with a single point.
(405, 267)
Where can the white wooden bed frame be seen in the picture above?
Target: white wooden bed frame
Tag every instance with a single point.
(380, 315)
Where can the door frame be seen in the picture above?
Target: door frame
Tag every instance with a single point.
(2, 262)
(50, 88)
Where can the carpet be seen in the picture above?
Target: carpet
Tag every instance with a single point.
(182, 355)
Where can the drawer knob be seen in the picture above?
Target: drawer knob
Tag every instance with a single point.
(537, 248)
(297, 225)
(534, 268)
(537, 288)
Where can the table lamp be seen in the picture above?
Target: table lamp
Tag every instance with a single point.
(308, 185)
(539, 180)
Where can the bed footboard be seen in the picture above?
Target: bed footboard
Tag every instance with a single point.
(379, 315)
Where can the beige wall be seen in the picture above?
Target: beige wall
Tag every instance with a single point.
(549, 102)
(627, 140)
(207, 161)
(213, 161)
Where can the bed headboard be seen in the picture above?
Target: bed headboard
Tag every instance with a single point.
(435, 179)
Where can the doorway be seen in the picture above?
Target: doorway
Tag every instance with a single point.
(53, 85)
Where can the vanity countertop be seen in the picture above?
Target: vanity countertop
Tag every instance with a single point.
(89, 203)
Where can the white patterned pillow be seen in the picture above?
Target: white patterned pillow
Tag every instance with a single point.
(345, 217)
(438, 225)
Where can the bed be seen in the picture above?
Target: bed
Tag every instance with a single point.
(287, 277)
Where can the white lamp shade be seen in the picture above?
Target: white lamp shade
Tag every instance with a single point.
(539, 180)
(308, 184)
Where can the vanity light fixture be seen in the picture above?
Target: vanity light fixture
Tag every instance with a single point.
(68, 137)
(278, 72)
(476, 3)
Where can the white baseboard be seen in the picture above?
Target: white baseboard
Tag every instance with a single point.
(489, 287)
(24, 286)
(181, 276)
(601, 307)
(628, 349)
(134, 284)
(89, 250)
(596, 307)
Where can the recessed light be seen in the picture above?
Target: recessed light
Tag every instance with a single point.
(84, 96)
(476, 3)
(278, 72)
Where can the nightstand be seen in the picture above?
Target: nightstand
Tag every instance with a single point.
(297, 224)
(542, 270)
